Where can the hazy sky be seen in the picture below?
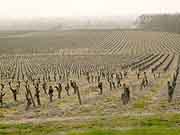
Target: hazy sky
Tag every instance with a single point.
(58, 8)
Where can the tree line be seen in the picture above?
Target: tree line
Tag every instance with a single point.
(159, 22)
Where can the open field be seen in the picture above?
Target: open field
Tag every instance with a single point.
(101, 41)
(88, 57)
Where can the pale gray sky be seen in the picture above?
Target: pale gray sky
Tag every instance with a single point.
(61, 8)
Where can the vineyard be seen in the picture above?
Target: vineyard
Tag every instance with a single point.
(80, 76)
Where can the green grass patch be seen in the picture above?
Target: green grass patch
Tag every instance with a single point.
(140, 104)
(125, 125)
(135, 131)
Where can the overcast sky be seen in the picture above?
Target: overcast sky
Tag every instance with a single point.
(61, 8)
